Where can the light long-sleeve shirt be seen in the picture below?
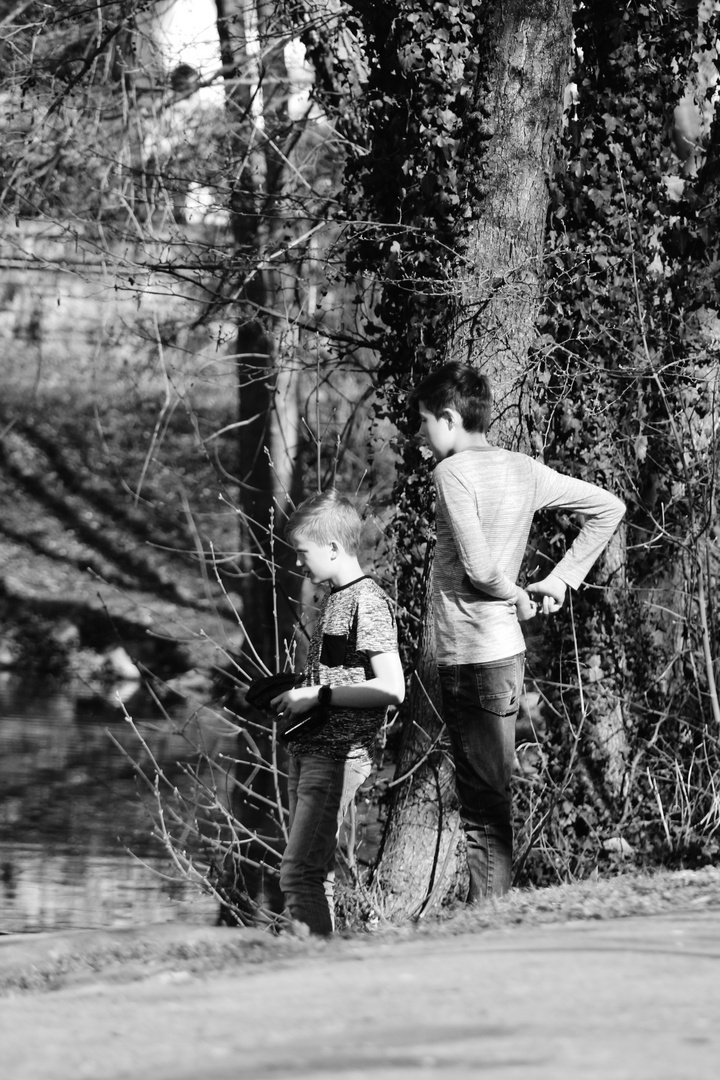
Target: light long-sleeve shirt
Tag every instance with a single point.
(486, 500)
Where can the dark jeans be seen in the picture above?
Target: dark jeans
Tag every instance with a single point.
(320, 791)
(480, 707)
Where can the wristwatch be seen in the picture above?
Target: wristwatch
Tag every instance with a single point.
(324, 696)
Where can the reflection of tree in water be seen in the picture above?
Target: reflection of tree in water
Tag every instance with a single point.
(70, 817)
(45, 889)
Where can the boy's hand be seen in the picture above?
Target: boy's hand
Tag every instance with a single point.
(525, 606)
(296, 702)
(552, 589)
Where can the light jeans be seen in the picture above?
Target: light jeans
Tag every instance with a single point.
(320, 791)
(480, 707)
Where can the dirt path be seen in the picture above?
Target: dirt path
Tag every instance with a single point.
(629, 998)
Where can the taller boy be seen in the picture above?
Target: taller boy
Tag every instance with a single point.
(485, 502)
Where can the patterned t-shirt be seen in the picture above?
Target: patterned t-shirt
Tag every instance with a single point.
(354, 622)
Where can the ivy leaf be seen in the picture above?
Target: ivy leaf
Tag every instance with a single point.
(641, 447)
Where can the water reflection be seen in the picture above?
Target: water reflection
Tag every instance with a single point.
(45, 891)
(70, 812)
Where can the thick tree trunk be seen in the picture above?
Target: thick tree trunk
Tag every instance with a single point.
(528, 52)
(502, 286)
(420, 862)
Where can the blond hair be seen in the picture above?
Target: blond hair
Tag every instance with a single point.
(325, 517)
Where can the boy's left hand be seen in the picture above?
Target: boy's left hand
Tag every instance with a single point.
(525, 606)
(295, 702)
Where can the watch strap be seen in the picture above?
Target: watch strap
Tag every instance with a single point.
(325, 696)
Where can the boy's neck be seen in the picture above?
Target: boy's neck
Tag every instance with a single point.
(348, 569)
(469, 440)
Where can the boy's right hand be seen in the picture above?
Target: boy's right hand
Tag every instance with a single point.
(553, 590)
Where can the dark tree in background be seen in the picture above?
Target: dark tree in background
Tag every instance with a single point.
(626, 393)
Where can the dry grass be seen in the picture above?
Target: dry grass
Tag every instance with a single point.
(618, 897)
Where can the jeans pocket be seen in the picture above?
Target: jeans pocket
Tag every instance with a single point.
(498, 689)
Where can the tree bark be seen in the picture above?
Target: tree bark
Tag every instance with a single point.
(502, 285)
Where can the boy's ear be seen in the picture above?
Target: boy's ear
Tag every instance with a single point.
(452, 416)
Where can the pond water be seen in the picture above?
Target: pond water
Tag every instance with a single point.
(76, 844)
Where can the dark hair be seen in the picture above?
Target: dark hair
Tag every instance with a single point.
(325, 517)
(456, 386)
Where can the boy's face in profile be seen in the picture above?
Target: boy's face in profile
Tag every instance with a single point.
(436, 432)
(317, 560)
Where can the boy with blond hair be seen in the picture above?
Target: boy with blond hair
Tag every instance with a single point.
(353, 673)
(486, 499)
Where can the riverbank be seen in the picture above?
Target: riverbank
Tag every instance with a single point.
(105, 538)
(35, 963)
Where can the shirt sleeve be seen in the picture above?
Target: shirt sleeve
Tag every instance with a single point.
(376, 629)
(457, 504)
(602, 510)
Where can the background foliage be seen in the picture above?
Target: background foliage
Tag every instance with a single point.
(625, 391)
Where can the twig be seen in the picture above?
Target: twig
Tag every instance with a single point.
(707, 653)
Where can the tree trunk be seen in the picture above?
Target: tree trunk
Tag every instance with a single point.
(528, 48)
(420, 862)
(604, 696)
(266, 346)
(267, 399)
(502, 286)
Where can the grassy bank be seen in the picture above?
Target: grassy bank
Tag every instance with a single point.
(38, 963)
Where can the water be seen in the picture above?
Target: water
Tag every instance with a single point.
(76, 849)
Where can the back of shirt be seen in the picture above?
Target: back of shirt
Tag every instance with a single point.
(486, 500)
